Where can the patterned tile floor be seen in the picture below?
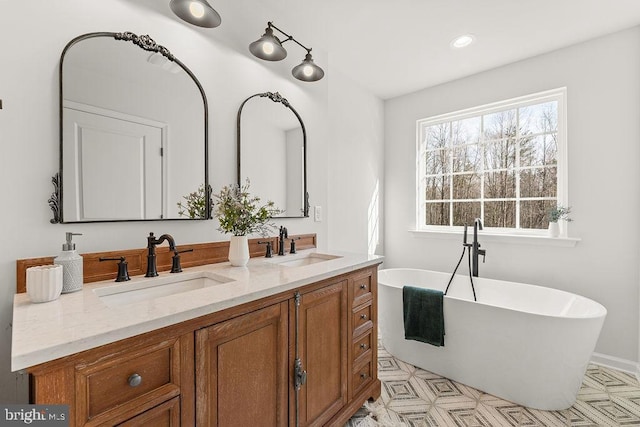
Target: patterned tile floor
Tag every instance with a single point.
(412, 397)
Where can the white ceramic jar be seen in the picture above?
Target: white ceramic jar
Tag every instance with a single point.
(44, 283)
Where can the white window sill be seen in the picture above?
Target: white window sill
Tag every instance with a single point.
(488, 236)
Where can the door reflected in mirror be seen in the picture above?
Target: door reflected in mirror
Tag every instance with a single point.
(271, 152)
(133, 131)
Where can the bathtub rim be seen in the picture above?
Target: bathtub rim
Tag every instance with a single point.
(600, 310)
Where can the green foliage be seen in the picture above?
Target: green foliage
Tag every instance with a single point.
(241, 214)
(559, 212)
(194, 205)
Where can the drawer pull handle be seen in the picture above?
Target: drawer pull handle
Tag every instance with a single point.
(363, 376)
(363, 286)
(134, 380)
(363, 346)
(363, 316)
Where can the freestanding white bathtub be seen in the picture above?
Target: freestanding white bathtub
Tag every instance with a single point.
(527, 344)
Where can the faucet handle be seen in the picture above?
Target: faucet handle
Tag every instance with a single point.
(482, 252)
(176, 252)
(269, 253)
(292, 249)
(175, 260)
(123, 272)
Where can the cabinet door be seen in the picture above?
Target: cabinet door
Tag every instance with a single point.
(322, 348)
(241, 370)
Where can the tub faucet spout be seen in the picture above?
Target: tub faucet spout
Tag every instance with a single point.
(475, 247)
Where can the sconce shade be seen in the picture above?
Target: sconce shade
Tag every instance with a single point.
(307, 71)
(268, 47)
(196, 12)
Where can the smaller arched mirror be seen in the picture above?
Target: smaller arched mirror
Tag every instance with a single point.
(272, 143)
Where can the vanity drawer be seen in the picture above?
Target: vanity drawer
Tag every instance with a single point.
(361, 376)
(361, 345)
(133, 379)
(362, 319)
(362, 290)
(166, 414)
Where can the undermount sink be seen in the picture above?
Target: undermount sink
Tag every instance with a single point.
(147, 289)
(308, 259)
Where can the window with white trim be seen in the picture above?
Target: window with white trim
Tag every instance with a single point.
(504, 163)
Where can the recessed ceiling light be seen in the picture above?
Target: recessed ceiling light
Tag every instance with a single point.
(462, 41)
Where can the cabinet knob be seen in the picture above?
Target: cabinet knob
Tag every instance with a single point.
(363, 375)
(363, 346)
(134, 380)
(363, 316)
(363, 286)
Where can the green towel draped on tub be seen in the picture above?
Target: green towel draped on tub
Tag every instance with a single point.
(423, 315)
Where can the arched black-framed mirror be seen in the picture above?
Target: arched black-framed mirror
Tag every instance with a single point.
(272, 152)
(133, 133)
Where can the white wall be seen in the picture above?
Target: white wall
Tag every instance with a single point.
(602, 77)
(356, 167)
(33, 36)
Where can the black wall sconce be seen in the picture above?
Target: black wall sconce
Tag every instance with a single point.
(269, 48)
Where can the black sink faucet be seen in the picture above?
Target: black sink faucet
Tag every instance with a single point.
(284, 234)
(152, 242)
(475, 247)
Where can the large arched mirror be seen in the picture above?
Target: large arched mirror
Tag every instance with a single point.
(272, 143)
(133, 133)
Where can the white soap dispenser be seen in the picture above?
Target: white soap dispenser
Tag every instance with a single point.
(71, 262)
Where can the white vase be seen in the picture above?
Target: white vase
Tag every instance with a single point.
(239, 251)
(554, 229)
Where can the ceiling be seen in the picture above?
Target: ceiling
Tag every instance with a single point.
(400, 46)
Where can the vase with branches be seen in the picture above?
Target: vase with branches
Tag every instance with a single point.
(556, 214)
(241, 214)
(559, 212)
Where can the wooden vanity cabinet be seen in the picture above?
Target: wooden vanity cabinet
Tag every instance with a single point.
(236, 367)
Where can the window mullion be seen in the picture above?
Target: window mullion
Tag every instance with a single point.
(517, 169)
(450, 149)
(482, 147)
(422, 173)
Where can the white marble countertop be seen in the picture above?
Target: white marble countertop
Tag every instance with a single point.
(83, 320)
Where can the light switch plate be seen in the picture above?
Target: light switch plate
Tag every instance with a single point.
(317, 213)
